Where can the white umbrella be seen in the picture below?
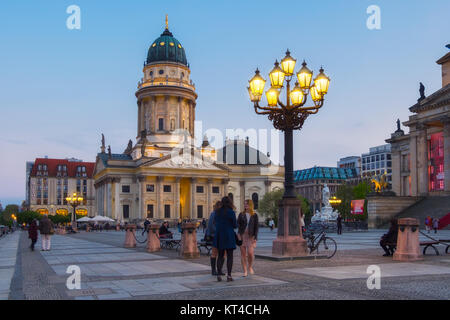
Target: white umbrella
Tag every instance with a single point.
(101, 219)
(84, 219)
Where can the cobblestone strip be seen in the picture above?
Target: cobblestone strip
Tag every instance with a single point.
(35, 275)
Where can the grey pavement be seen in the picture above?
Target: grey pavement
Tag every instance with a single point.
(109, 271)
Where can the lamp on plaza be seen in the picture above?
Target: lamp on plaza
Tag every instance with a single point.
(288, 116)
(74, 201)
(334, 201)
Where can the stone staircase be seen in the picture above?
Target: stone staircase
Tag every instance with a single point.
(435, 207)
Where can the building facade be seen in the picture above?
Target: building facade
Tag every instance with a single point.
(52, 180)
(421, 158)
(309, 183)
(28, 169)
(163, 175)
(352, 162)
(377, 161)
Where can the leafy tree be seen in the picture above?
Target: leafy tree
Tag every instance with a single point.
(60, 218)
(347, 193)
(6, 214)
(27, 217)
(268, 206)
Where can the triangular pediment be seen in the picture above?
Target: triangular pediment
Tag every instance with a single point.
(185, 161)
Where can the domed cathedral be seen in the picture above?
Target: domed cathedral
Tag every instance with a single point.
(163, 176)
(166, 95)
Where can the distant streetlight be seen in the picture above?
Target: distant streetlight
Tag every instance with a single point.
(74, 201)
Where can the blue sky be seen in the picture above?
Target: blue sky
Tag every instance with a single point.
(60, 89)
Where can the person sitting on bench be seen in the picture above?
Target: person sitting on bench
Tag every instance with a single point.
(164, 232)
(389, 240)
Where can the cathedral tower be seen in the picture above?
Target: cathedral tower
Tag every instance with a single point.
(166, 96)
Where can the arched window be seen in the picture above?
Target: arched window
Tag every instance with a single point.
(255, 199)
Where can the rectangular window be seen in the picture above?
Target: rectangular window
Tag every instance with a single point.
(382, 157)
(149, 211)
(126, 211)
(167, 211)
(199, 189)
(215, 190)
(388, 156)
(125, 189)
(167, 188)
(150, 188)
(160, 124)
(199, 211)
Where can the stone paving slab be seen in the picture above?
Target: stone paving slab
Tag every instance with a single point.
(360, 271)
(121, 289)
(8, 254)
(91, 258)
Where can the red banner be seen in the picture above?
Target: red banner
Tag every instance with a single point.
(357, 206)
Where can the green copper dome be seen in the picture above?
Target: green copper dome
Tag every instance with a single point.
(166, 48)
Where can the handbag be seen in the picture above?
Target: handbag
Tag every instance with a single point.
(238, 242)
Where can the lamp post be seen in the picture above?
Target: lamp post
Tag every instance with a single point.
(287, 117)
(74, 201)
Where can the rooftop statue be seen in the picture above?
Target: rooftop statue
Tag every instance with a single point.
(129, 147)
(103, 143)
(421, 91)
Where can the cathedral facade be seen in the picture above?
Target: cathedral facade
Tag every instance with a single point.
(163, 175)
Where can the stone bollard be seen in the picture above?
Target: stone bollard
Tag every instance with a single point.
(117, 227)
(130, 239)
(408, 245)
(189, 249)
(153, 243)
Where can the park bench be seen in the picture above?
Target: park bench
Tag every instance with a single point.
(447, 245)
(166, 243)
(425, 244)
(206, 245)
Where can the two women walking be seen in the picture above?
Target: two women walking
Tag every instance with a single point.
(222, 223)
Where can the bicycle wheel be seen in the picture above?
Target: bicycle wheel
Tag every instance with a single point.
(327, 246)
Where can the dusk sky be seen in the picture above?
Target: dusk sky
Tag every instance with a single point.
(60, 88)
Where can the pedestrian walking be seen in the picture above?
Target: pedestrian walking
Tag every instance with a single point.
(428, 223)
(146, 224)
(33, 234)
(271, 224)
(225, 237)
(209, 237)
(339, 224)
(435, 224)
(248, 232)
(204, 225)
(46, 229)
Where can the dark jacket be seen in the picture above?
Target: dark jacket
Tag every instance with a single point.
(32, 231)
(391, 235)
(225, 238)
(46, 226)
(253, 225)
(163, 230)
(211, 228)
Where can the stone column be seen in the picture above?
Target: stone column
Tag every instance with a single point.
(267, 184)
(413, 159)
(177, 198)
(422, 160)
(446, 135)
(225, 187)
(241, 196)
(396, 171)
(159, 202)
(141, 185)
(208, 197)
(193, 202)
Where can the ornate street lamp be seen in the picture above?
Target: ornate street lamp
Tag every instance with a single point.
(74, 201)
(289, 116)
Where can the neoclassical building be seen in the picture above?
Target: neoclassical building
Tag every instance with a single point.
(421, 158)
(163, 175)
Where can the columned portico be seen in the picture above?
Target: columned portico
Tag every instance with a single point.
(422, 160)
(159, 201)
(192, 214)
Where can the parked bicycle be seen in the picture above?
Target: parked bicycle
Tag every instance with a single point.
(321, 244)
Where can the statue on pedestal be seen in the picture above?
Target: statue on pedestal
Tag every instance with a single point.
(421, 91)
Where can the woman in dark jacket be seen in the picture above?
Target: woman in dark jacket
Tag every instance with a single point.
(225, 238)
(33, 234)
(248, 233)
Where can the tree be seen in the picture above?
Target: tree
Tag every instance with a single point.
(268, 206)
(27, 217)
(8, 212)
(347, 193)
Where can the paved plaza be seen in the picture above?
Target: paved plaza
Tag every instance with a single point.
(109, 271)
